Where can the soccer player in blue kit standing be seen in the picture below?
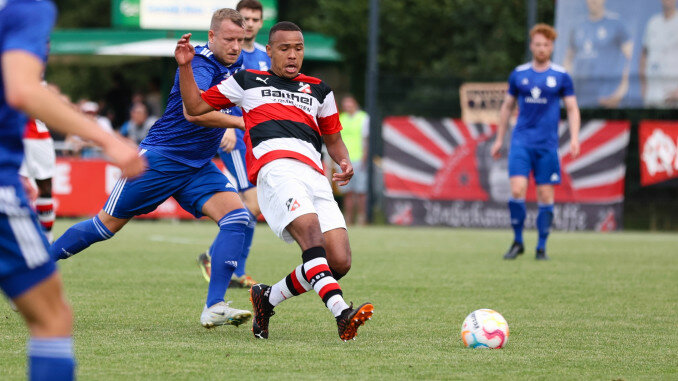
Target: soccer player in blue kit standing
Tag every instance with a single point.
(28, 275)
(232, 150)
(538, 87)
(180, 154)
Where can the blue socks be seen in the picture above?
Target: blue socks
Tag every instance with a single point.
(79, 237)
(249, 234)
(518, 212)
(51, 359)
(226, 252)
(544, 219)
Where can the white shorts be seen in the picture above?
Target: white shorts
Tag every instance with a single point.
(39, 159)
(288, 188)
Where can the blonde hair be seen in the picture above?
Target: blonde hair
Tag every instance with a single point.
(545, 30)
(226, 14)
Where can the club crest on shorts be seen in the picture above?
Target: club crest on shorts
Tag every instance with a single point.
(292, 204)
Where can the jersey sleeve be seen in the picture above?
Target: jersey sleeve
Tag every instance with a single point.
(203, 72)
(512, 89)
(228, 93)
(623, 36)
(328, 117)
(567, 88)
(27, 27)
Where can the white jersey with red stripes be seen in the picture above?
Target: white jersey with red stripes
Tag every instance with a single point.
(36, 129)
(284, 118)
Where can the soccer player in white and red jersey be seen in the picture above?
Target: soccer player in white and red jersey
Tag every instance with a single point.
(287, 116)
(39, 163)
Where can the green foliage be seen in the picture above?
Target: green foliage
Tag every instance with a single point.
(603, 308)
(83, 14)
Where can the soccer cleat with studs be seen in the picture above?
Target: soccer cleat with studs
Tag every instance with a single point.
(263, 310)
(222, 314)
(515, 250)
(541, 255)
(350, 319)
(244, 281)
(205, 264)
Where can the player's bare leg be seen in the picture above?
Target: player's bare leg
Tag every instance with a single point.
(517, 210)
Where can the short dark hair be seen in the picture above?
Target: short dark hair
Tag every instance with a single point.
(226, 14)
(286, 26)
(250, 4)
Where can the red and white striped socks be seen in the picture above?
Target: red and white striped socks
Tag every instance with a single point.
(313, 273)
(44, 207)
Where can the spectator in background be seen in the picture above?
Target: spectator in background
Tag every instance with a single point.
(154, 98)
(118, 99)
(84, 148)
(659, 59)
(598, 57)
(356, 125)
(138, 124)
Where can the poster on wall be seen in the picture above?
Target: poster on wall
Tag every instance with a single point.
(440, 172)
(620, 53)
(658, 148)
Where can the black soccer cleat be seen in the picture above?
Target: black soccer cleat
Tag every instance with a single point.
(262, 308)
(515, 250)
(541, 255)
(350, 319)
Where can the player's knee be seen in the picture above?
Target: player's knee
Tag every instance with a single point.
(340, 267)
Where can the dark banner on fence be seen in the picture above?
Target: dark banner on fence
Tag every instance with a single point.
(439, 172)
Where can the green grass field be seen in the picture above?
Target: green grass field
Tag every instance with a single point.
(603, 308)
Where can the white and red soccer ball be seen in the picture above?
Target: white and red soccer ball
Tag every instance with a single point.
(485, 328)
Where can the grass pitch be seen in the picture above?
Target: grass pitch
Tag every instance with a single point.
(603, 308)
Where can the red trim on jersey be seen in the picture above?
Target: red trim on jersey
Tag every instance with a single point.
(330, 124)
(276, 111)
(254, 165)
(315, 270)
(216, 99)
(327, 288)
(31, 131)
(296, 283)
(258, 72)
(306, 78)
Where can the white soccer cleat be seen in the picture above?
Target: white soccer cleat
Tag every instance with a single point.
(222, 314)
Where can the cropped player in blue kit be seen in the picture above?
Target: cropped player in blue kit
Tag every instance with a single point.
(28, 275)
(179, 150)
(232, 150)
(538, 86)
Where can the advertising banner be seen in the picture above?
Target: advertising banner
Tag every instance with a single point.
(658, 148)
(621, 53)
(440, 172)
(81, 187)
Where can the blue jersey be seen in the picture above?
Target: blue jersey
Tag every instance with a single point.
(598, 59)
(257, 59)
(24, 25)
(172, 135)
(538, 95)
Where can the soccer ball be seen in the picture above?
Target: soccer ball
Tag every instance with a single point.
(485, 328)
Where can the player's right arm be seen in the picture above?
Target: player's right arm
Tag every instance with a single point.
(216, 119)
(21, 73)
(190, 93)
(504, 115)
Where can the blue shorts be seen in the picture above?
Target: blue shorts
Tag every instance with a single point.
(166, 178)
(237, 168)
(24, 250)
(542, 162)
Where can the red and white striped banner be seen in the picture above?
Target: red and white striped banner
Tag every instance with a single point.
(439, 172)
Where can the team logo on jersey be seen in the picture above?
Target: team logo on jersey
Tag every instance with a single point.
(525, 81)
(261, 80)
(535, 97)
(601, 33)
(292, 204)
(551, 81)
(304, 88)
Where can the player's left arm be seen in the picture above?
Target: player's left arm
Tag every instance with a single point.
(619, 93)
(574, 121)
(339, 153)
(216, 119)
